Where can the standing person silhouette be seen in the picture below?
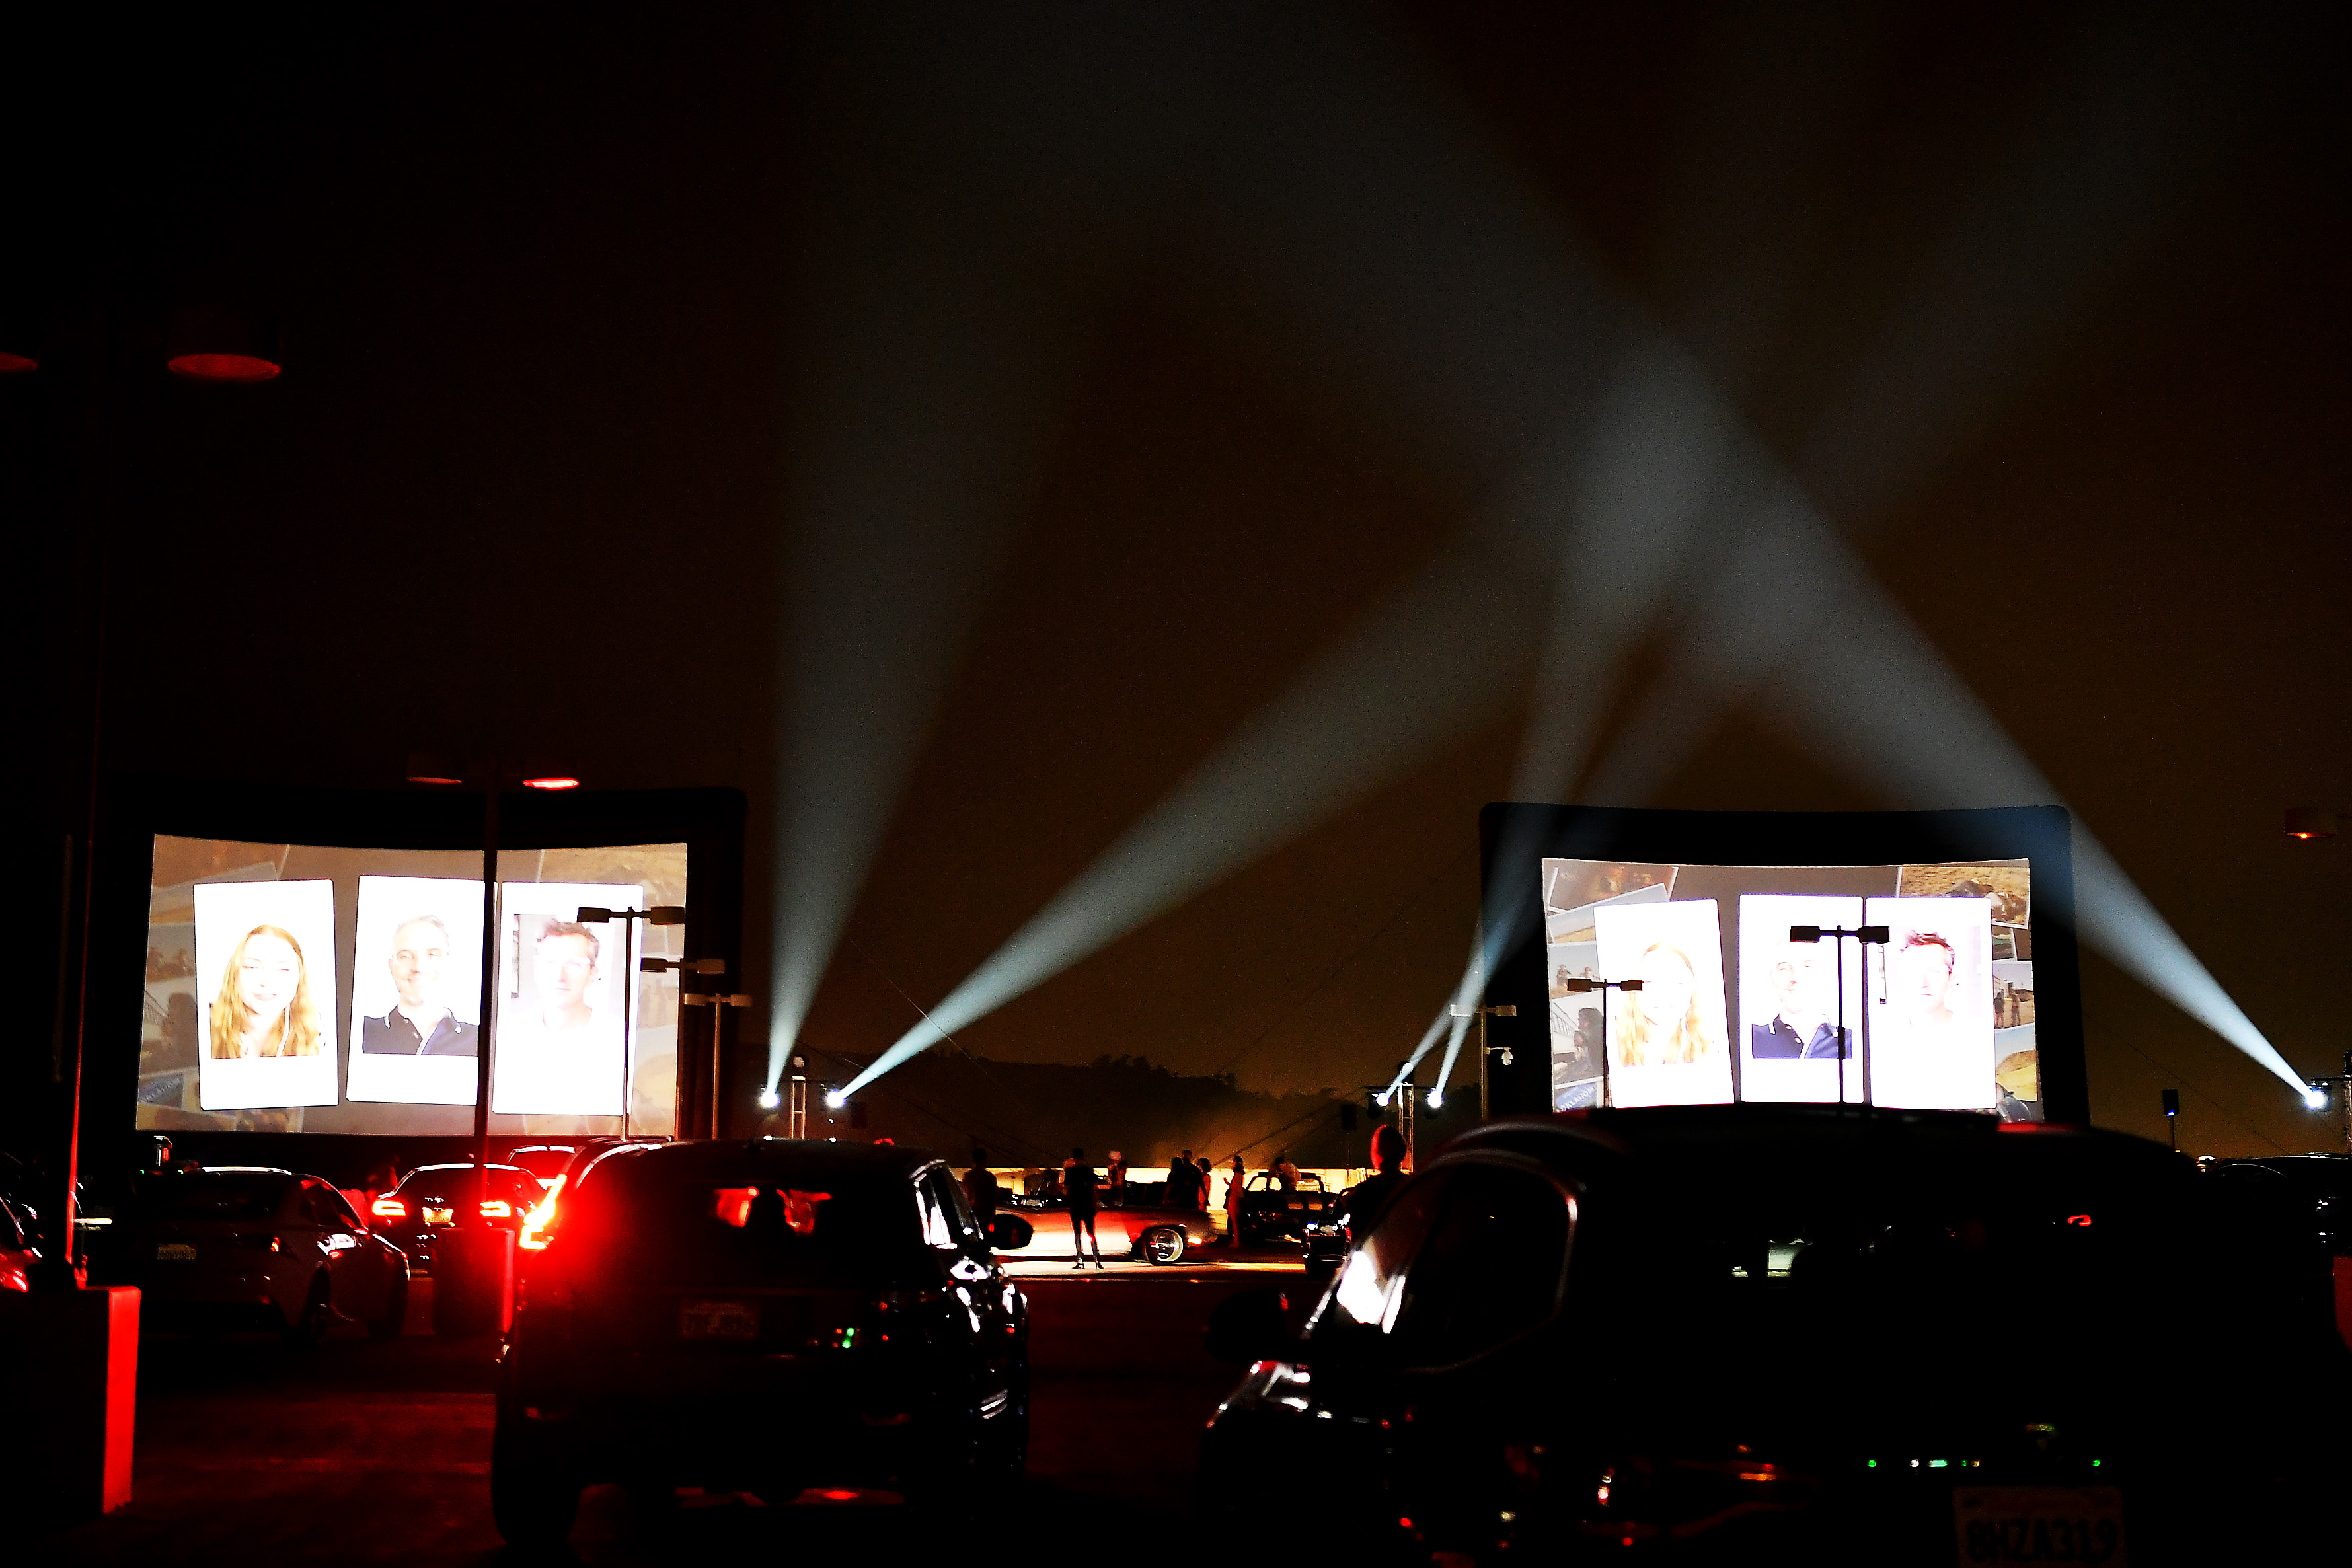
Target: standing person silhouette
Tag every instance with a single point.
(1234, 1201)
(1361, 1204)
(1078, 1190)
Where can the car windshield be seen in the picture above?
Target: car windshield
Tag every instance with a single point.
(774, 1225)
(197, 1194)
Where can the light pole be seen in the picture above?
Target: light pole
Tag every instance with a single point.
(1497, 1010)
(1604, 987)
(683, 966)
(718, 1004)
(659, 915)
(2308, 822)
(1865, 934)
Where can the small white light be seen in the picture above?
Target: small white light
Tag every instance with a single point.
(1384, 1097)
(2316, 1097)
(770, 1098)
(1436, 1099)
(835, 1099)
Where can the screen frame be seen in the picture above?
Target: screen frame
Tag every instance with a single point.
(1529, 835)
(710, 822)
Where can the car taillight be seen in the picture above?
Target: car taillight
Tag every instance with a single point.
(388, 1208)
(532, 1238)
(497, 1209)
(260, 1242)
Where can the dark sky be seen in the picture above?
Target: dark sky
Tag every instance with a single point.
(553, 293)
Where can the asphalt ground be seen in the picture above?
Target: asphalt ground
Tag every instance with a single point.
(357, 1452)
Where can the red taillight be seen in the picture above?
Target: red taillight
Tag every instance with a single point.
(733, 1205)
(388, 1208)
(497, 1209)
(222, 368)
(532, 1238)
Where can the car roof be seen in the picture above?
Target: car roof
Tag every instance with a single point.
(1763, 1136)
(761, 1159)
(470, 1165)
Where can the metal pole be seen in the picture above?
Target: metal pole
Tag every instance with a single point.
(489, 986)
(1604, 1045)
(718, 1023)
(628, 1008)
(1841, 1017)
(1482, 1064)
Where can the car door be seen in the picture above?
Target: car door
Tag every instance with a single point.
(337, 1238)
(1437, 1324)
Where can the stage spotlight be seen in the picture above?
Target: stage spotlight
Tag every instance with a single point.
(2315, 1098)
(1436, 1099)
(770, 1098)
(1383, 1097)
(835, 1099)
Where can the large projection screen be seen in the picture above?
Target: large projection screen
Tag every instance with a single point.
(327, 978)
(1971, 1004)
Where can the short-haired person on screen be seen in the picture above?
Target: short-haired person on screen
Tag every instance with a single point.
(1802, 1025)
(420, 1023)
(1663, 1027)
(1078, 1192)
(564, 1057)
(1921, 990)
(264, 1008)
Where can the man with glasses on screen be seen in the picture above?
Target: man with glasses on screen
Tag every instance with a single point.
(420, 1023)
(561, 1057)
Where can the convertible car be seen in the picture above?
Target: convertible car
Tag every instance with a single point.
(1130, 1227)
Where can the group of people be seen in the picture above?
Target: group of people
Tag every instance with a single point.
(1082, 1190)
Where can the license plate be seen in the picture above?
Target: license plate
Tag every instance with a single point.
(718, 1320)
(176, 1252)
(2040, 1525)
(439, 1216)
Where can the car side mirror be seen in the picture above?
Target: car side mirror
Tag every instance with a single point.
(1253, 1325)
(1007, 1231)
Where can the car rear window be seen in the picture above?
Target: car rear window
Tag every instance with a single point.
(457, 1182)
(196, 1195)
(814, 1225)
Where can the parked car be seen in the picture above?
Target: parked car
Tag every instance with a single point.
(1754, 1333)
(430, 1198)
(761, 1317)
(1272, 1212)
(252, 1247)
(545, 1161)
(1133, 1225)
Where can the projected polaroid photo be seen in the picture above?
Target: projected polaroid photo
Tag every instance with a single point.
(558, 1046)
(1572, 890)
(416, 981)
(1666, 1043)
(265, 979)
(1575, 1026)
(2006, 886)
(1931, 1026)
(1789, 999)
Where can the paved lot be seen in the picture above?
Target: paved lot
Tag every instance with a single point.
(359, 1452)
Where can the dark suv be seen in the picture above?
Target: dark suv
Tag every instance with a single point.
(759, 1317)
(1754, 1333)
(431, 1198)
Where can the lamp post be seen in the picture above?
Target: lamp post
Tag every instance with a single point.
(718, 1004)
(1497, 1010)
(1604, 987)
(440, 771)
(2308, 822)
(659, 915)
(1865, 934)
(683, 966)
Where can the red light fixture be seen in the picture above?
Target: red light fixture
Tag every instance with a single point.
(16, 364)
(558, 782)
(222, 368)
(2308, 822)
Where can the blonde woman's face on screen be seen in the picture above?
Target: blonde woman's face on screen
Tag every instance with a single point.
(268, 975)
(1666, 986)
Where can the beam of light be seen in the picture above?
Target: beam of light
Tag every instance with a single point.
(930, 368)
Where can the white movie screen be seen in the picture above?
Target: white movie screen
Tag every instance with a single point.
(295, 987)
(1941, 1016)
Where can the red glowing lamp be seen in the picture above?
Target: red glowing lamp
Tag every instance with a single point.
(555, 783)
(222, 368)
(16, 364)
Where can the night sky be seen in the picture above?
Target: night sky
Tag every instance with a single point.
(561, 302)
